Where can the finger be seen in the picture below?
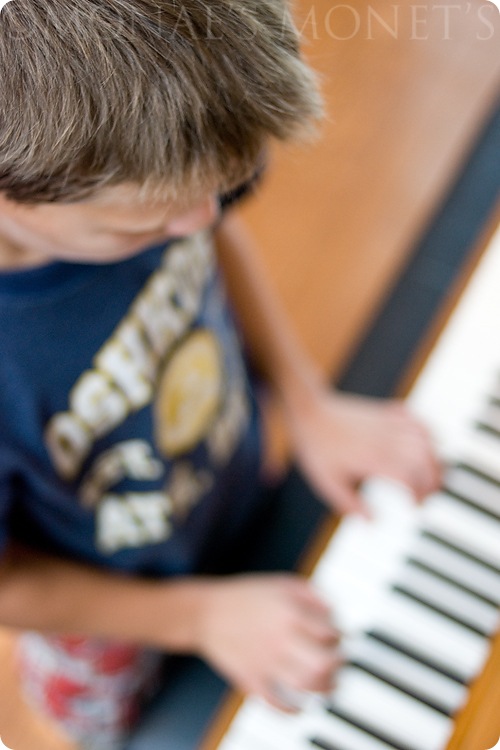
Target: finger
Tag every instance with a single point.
(436, 472)
(308, 596)
(423, 473)
(400, 411)
(319, 627)
(348, 500)
(280, 697)
(403, 423)
(412, 462)
(325, 635)
(311, 667)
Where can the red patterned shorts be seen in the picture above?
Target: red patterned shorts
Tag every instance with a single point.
(92, 689)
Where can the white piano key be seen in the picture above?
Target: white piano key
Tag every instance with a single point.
(339, 733)
(360, 539)
(464, 527)
(390, 711)
(392, 507)
(462, 569)
(460, 367)
(390, 501)
(243, 742)
(435, 637)
(407, 672)
(262, 727)
(495, 388)
(483, 493)
(353, 598)
(233, 743)
(246, 739)
(478, 447)
(465, 607)
(264, 730)
(490, 416)
(360, 561)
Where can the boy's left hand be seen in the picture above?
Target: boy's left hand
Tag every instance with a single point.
(340, 440)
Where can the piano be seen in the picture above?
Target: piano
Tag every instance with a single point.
(416, 591)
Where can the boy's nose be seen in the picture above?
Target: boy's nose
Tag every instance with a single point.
(200, 217)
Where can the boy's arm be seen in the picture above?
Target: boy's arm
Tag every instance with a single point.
(49, 594)
(339, 440)
(258, 631)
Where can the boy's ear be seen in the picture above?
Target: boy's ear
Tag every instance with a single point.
(7, 207)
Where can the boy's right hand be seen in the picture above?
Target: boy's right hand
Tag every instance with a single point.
(269, 634)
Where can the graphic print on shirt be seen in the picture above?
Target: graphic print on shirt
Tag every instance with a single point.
(164, 355)
(189, 394)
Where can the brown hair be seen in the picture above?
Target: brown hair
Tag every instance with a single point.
(178, 94)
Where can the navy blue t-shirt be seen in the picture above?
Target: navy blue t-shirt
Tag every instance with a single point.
(128, 430)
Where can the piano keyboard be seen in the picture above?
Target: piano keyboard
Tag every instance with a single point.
(416, 591)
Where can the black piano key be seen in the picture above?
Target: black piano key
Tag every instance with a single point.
(490, 421)
(461, 498)
(486, 427)
(324, 744)
(427, 568)
(466, 498)
(328, 744)
(440, 610)
(481, 473)
(365, 727)
(439, 539)
(399, 685)
(388, 640)
(391, 641)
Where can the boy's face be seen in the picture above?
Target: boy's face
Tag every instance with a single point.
(112, 225)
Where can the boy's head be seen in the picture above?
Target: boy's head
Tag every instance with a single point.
(175, 97)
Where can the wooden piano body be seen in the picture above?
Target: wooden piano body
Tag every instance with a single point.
(476, 725)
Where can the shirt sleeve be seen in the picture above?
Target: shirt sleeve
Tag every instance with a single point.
(6, 498)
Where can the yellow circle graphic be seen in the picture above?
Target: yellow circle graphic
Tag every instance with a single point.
(189, 394)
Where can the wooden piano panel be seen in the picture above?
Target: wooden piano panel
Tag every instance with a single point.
(337, 219)
(477, 726)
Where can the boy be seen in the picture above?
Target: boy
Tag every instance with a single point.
(129, 434)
